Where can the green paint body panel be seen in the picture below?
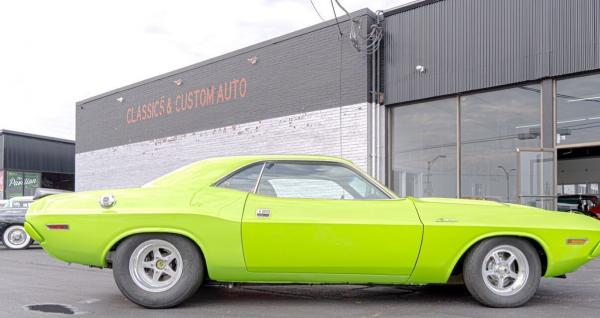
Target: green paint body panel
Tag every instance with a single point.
(331, 236)
(395, 241)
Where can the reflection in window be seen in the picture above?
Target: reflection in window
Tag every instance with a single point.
(578, 110)
(493, 125)
(305, 188)
(568, 189)
(424, 149)
(316, 181)
(593, 188)
(244, 180)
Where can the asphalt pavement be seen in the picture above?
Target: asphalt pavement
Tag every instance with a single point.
(32, 284)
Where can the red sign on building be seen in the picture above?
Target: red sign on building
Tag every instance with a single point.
(1, 183)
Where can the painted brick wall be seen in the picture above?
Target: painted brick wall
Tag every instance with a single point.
(303, 71)
(333, 131)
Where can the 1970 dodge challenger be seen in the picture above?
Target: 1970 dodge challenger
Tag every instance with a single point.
(305, 219)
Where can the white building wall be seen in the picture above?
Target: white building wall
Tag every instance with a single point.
(334, 131)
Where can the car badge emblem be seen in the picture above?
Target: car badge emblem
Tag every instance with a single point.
(446, 220)
(107, 201)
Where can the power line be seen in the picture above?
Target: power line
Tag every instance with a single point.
(371, 42)
(337, 22)
(317, 11)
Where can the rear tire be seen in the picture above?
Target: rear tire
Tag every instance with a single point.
(502, 272)
(158, 270)
(15, 238)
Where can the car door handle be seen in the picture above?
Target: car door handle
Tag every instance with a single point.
(263, 213)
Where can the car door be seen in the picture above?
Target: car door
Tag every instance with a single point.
(321, 217)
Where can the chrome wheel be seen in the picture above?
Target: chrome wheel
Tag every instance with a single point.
(155, 266)
(15, 237)
(505, 270)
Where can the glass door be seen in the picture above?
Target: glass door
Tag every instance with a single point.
(535, 171)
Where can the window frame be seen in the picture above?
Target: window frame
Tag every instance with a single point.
(223, 179)
(367, 178)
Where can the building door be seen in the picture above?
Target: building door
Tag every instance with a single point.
(578, 178)
(535, 171)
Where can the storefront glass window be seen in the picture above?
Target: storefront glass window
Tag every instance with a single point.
(578, 110)
(21, 183)
(14, 184)
(493, 126)
(31, 181)
(424, 149)
(1, 185)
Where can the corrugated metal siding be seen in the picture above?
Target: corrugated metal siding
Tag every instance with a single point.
(33, 154)
(474, 44)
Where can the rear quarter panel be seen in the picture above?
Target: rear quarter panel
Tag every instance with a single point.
(211, 218)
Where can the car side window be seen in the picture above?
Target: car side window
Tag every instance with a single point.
(244, 180)
(316, 180)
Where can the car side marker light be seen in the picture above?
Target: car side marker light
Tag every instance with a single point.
(57, 226)
(577, 241)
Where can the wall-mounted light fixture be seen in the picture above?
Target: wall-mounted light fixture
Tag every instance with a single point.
(420, 68)
(253, 60)
(120, 99)
(178, 82)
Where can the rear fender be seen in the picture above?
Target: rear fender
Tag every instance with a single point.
(127, 234)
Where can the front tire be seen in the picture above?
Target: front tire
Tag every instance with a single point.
(15, 238)
(502, 272)
(158, 270)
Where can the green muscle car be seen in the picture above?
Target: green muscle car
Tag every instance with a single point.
(284, 219)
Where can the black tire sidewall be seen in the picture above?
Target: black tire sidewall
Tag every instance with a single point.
(475, 281)
(189, 282)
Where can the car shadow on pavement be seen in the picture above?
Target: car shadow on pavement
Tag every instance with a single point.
(308, 294)
(32, 247)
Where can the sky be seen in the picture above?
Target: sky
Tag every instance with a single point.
(55, 53)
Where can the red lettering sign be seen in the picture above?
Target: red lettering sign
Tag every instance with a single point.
(163, 106)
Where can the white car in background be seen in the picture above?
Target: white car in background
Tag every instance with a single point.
(12, 218)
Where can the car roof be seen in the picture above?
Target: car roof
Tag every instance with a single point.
(210, 170)
(251, 158)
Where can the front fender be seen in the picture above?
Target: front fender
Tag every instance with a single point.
(483, 237)
(437, 260)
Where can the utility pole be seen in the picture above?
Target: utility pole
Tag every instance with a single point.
(507, 173)
(428, 186)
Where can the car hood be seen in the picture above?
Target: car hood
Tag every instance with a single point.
(463, 201)
(484, 212)
(11, 212)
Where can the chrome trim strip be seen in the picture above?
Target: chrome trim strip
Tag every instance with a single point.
(262, 170)
(227, 176)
